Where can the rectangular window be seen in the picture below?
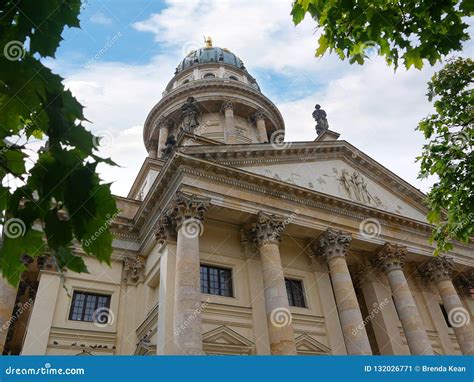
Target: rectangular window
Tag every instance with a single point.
(217, 281)
(445, 314)
(294, 289)
(89, 307)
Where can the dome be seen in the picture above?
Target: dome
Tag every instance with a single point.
(210, 54)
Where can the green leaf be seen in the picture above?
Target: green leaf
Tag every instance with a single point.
(66, 259)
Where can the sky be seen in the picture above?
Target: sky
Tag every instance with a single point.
(119, 62)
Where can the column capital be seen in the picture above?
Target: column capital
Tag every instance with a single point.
(464, 282)
(436, 269)
(163, 123)
(266, 230)
(390, 257)
(259, 115)
(134, 270)
(332, 243)
(227, 105)
(187, 207)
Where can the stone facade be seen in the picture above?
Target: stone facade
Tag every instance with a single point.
(228, 193)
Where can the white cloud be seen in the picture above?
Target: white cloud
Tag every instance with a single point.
(117, 99)
(373, 108)
(261, 33)
(101, 19)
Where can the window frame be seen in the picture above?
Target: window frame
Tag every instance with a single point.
(87, 295)
(292, 297)
(207, 289)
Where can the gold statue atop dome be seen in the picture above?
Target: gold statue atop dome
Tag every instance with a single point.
(208, 41)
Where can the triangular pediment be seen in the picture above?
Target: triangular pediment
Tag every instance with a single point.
(334, 168)
(306, 344)
(223, 340)
(338, 178)
(223, 335)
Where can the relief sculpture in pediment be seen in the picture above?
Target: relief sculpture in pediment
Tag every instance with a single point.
(355, 187)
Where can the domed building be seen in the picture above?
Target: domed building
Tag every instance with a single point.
(235, 241)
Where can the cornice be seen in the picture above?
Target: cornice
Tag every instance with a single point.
(245, 180)
(148, 163)
(304, 151)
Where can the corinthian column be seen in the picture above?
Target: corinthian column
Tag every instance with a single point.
(7, 303)
(163, 126)
(390, 259)
(229, 128)
(439, 270)
(261, 129)
(187, 215)
(333, 247)
(265, 234)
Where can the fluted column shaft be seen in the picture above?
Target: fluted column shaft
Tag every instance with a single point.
(261, 128)
(7, 303)
(439, 271)
(163, 137)
(390, 259)
(333, 246)
(266, 235)
(187, 214)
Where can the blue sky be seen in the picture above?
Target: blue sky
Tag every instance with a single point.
(121, 59)
(105, 18)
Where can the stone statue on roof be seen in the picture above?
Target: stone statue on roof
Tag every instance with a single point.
(320, 117)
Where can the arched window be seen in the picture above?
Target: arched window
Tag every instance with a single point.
(233, 78)
(185, 82)
(209, 75)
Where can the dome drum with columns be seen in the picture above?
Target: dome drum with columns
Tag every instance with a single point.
(228, 105)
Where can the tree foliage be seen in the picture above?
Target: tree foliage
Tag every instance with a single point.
(51, 197)
(414, 32)
(449, 152)
(404, 30)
